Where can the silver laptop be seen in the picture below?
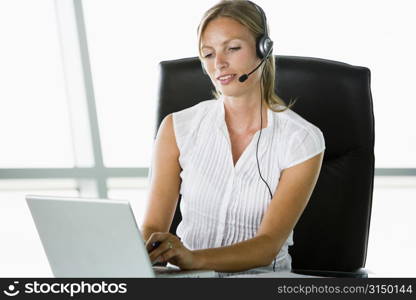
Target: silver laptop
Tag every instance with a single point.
(95, 238)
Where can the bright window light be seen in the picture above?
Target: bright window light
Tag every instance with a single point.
(21, 252)
(125, 53)
(34, 126)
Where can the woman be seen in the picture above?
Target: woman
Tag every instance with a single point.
(241, 195)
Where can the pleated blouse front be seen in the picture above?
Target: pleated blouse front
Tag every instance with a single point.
(223, 204)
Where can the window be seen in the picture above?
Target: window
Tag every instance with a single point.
(391, 243)
(34, 125)
(124, 59)
(374, 34)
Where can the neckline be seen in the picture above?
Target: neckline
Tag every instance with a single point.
(223, 127)
(221, 118)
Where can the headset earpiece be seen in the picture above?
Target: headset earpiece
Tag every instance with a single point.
(264, 45)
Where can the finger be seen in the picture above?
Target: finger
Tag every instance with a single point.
(163, 248)
(170, 249)
(155, 239)
(168, 255)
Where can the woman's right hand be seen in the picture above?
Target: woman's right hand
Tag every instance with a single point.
(171, 250)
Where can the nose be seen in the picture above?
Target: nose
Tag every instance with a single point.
(220, 62)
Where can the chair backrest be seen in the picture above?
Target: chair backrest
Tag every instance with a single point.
(332, 233)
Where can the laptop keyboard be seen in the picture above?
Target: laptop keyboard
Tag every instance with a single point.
(176, 272)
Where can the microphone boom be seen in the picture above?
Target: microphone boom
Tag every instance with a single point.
(244, 77)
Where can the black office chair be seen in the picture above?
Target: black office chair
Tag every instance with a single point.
(331, 236)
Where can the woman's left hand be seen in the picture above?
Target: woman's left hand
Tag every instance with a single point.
(170, 250)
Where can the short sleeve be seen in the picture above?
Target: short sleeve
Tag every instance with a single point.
(185, 126)
(305, 143)
(181, 127)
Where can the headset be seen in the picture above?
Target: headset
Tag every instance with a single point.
(264, 44)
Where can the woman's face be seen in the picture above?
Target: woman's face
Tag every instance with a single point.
(228, 50)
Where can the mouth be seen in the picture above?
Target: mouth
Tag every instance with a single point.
(226, 79)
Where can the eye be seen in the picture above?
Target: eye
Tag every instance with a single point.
(208, 55)
(235, 48)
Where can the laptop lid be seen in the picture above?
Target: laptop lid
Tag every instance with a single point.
(90, 237)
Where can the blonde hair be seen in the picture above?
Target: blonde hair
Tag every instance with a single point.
(247, 15)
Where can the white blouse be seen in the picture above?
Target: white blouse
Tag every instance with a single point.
(223, 204)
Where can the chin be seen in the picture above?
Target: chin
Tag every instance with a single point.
(230, 94)
(232, 91)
